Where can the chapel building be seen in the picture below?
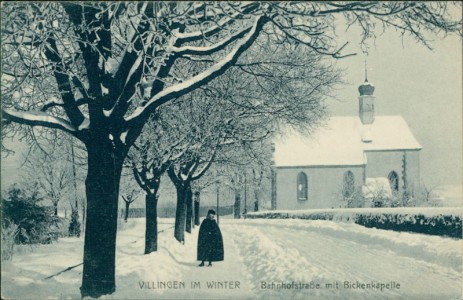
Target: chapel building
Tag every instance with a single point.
(346, 158)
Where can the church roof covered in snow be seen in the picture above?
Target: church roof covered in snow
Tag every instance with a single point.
(342, 142)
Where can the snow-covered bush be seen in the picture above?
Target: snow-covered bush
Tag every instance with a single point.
(344, 198)
(377, 191)
(395, 201)
(74, 225)
(36, 223)
(444, 225)
(433, 221)
(9, 233)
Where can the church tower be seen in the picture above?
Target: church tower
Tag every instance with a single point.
(366, 108)
(366, 101)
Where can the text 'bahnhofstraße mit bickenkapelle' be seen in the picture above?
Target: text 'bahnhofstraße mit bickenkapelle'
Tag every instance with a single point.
(353, 285)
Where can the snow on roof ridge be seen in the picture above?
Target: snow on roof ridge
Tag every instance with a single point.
(387, 133)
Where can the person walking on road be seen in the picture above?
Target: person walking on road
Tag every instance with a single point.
(210, 242)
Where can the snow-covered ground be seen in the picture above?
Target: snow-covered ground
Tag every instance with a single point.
(316, 259)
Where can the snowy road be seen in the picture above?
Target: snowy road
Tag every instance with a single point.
(319, 257)
(327, 259)
(313, 259)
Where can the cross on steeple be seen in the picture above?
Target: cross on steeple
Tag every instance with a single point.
(366, 72)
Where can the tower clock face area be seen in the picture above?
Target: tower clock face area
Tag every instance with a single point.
(367, 107)
(367, 104)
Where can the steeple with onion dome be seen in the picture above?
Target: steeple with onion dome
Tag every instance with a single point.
(366, 101)
(367, 108)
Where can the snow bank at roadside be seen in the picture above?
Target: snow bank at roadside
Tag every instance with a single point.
(134, 267)
(272, 262)
(342, 214)
(443, 221)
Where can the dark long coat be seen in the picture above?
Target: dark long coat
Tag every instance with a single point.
(210, 242)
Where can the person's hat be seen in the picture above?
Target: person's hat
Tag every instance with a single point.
(211, 211)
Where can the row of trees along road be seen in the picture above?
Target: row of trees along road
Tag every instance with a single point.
(201, 126)
(100, 72)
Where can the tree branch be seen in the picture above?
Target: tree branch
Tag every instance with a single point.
(64, 84)
(192, 50)
(173, 176)
(140, 115)
(139, 179)
(206, 167)
(51, 104)
(189, 37)
(37, 118)
(80, 14)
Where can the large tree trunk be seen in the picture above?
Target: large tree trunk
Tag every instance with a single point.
(102, 190)
(151, 231)
(189, 209)
(180, 214)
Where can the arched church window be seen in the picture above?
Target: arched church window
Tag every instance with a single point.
(348, 185)
(301, 186)
(393, 181)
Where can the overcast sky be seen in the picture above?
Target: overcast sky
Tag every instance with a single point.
(423, 86)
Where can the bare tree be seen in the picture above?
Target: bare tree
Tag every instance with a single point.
(270, 86)
(191, 167)
(53, 176)
(209, 180)
(98, 71)
(427, 195)
(129, 197)
(244, 167)
(237, 184)
(428, 191)
(149, 159)
(257, 178)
